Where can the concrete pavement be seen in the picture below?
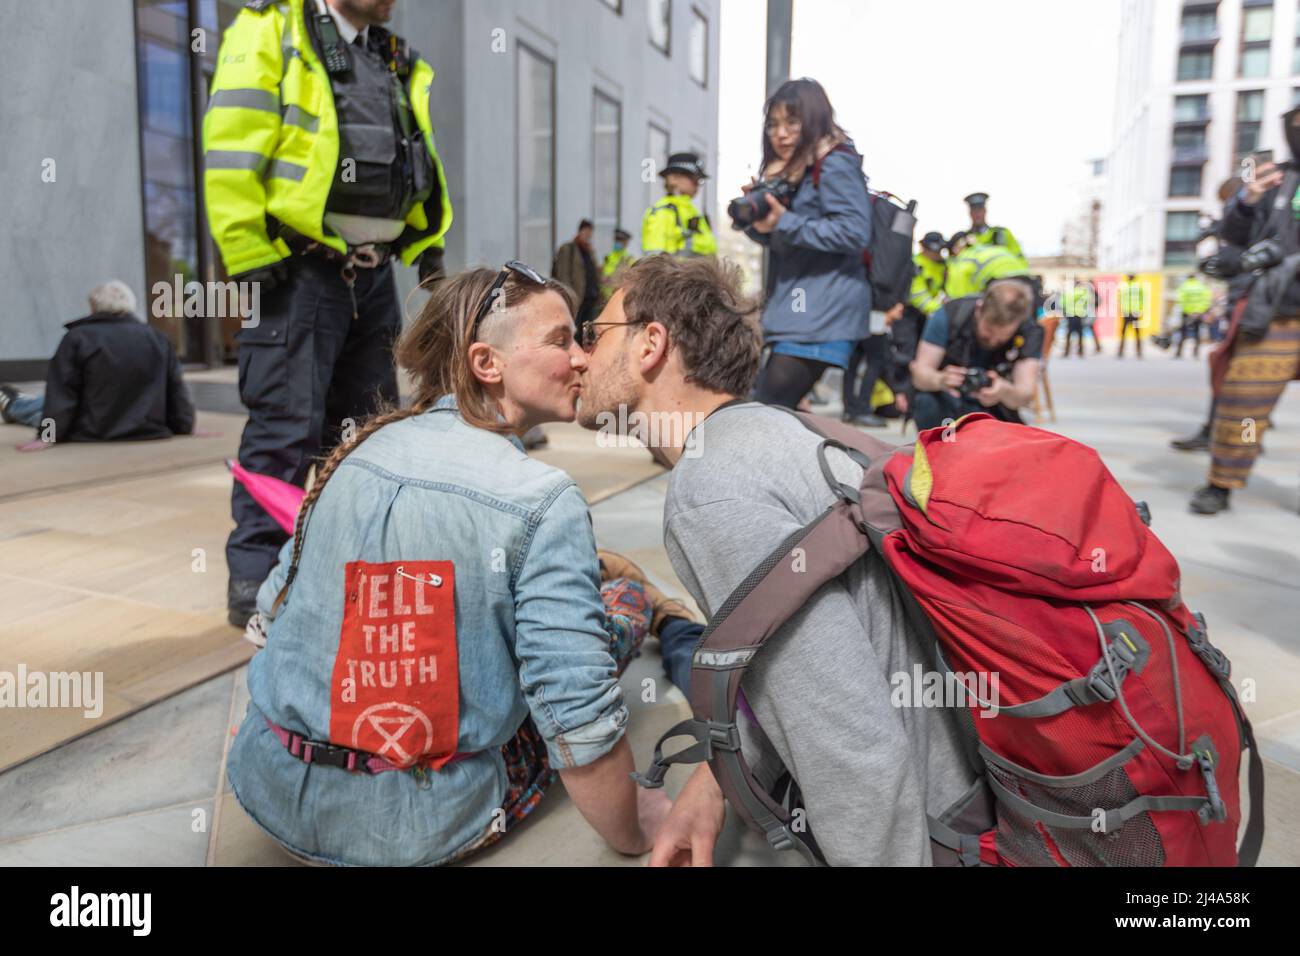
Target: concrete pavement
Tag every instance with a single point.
(151, 789)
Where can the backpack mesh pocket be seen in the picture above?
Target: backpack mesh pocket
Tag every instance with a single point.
(1025, 842)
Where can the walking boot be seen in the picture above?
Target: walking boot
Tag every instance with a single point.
(616, 566)
(1198, 442)
(241, 601)
(1209, 500)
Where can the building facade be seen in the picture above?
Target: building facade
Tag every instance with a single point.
(545, 111)
(1201, 87)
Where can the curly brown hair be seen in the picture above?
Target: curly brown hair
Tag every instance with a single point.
(710, 321)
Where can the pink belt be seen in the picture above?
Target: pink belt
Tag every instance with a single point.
(331, 755)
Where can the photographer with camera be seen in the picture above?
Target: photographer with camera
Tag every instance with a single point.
(978, 354)
(812, 211)
(1262, 350)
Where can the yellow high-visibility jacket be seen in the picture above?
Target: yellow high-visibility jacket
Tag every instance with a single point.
(927, 285)
(673, 225)
(271, 142)
(994, 236)
(1194, 297)
(976, 266)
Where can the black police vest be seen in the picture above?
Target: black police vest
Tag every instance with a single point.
(384, 167)
(961, 336)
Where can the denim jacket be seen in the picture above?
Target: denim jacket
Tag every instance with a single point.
(529, 638)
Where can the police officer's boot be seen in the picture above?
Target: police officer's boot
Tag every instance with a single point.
(241, 600)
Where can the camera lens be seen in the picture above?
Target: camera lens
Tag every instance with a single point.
(748, 208)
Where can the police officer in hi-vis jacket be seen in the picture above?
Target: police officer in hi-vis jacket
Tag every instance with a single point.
(319, 170)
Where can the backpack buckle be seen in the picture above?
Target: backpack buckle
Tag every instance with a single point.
(1128, 652)
(1215, 810)
(1213, 658)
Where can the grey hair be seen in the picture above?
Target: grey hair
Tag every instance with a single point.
(112, 296)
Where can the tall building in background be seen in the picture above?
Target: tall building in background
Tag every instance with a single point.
(1201, 85)
(545, 111)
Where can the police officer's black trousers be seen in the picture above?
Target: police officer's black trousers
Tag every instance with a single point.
(1130, 322)
(305, 370)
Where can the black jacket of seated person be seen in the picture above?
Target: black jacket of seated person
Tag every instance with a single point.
(115, 378)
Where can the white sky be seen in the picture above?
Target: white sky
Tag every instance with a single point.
(943, 98)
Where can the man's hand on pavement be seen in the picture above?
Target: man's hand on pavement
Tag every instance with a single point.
(688, 835)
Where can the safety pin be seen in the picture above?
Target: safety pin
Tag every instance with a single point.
(434, 579)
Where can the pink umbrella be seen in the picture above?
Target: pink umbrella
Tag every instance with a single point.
(280, 499)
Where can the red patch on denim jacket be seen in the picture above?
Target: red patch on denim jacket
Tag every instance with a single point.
(396, 685)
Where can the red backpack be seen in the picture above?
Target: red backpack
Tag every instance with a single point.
(1116, 735)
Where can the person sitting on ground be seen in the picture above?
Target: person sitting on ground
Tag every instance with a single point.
(994, 336)
(438, 643)
(680, 339)
(112, 378)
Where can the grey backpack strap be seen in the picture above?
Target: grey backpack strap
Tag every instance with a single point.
(778, 587)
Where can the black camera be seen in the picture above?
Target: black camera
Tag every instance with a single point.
(753, 206)
(1264, 254)
(1228, 262)
(975, 380)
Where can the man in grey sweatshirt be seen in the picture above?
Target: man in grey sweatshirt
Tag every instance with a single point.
(672, 354)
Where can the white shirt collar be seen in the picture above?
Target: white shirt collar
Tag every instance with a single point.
(346, 30)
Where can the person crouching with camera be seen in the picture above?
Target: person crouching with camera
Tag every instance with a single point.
(812, 211)
(978, 354)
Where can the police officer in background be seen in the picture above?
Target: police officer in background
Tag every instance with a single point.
(673, 225)
(925, 297)
(980, 232)
(320, 168)
(615, 264)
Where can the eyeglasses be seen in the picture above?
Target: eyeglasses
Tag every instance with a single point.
(789, 125)
(588, 337)
(518, 268)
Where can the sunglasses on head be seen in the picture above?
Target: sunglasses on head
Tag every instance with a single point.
(513, 266)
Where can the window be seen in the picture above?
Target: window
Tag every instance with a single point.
(1189, 144)
(660, 13)
(1181, 226)
(535, 136)
(1250, 105)
(699, 48)
(657, 154)
(606, 187)
(1256, 25)
(1185, 181)
(1181, 229)
(1256, 33)
(1191, 109)
(1198, 25)
(1254, 62)
(1195, 65)
(168, 143)
(1250, 110)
